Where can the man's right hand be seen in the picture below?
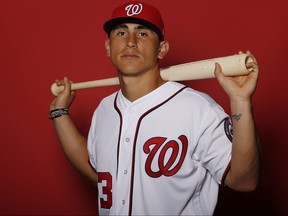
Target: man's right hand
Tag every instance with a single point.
(65, 98)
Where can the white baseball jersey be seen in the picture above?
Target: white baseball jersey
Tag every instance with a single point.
(163, 154)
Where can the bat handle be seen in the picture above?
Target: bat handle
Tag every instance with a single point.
(56, 90)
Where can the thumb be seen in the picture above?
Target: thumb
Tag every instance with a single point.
(219, 73)
(67, 86)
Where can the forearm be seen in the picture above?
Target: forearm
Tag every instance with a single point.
(74, 145)
(245, 162)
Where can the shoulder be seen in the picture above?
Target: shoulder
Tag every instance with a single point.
(106, 103)
(194, 95)
(196, 101)
(109, 99)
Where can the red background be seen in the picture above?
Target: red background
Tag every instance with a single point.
(42, 40)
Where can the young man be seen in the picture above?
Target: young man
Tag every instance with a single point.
(157, 147)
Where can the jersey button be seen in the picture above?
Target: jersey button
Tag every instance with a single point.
(127, 139)
(125, 172)
(123, 202)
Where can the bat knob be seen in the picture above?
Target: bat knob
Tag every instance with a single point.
(56, 90)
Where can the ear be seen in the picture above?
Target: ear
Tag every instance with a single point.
(107, 47)
(163, 49)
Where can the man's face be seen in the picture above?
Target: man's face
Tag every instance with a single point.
(133, 48)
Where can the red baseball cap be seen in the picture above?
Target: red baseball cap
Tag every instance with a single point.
(136, 12)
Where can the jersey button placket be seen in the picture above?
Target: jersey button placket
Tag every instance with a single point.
(123, 182)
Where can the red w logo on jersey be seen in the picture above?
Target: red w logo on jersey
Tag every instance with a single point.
(166, 167)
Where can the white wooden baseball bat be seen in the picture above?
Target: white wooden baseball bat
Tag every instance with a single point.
(233, 65)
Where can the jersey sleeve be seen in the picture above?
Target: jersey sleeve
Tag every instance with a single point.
(215, 142)
(100, 116)
(91, 143)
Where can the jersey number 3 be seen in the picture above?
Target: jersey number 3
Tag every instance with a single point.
(106, 190)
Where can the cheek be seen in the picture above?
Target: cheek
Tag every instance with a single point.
(151, 48)
(110, 49)
(112, 54)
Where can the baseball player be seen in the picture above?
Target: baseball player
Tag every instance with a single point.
(157, 147)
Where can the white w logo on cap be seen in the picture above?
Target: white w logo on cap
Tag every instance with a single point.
(133, 9)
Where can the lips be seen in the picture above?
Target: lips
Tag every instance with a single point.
(129, 55)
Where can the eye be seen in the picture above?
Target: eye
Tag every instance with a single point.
(121, 33)
(142, 34)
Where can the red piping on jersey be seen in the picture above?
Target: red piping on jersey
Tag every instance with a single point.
(120, 131)
(225, 173)
(135, 142)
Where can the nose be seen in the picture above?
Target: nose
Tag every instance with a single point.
(131, 41)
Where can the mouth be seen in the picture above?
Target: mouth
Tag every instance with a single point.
(129, 56)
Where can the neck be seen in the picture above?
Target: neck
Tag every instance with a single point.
(135, 87)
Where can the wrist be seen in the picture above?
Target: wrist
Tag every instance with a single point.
(56, 113)
(240, 102)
